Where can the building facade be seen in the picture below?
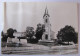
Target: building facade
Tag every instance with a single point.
(47, 34)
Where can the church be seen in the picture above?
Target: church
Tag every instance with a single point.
(47, 35)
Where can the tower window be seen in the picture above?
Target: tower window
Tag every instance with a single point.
(46, 36)
(46, 21)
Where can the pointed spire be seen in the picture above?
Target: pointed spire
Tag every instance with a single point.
(46, 12)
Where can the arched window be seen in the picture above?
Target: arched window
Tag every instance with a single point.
(46, 20)
(46, 36)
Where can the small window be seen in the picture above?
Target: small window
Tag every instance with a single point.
(46, 36)
(46, 20)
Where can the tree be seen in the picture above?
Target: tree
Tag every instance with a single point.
(39, 31)
(4, 37)
(67, 34)
(37, 34)
(75, 40)
(29, 34)
(10, 32)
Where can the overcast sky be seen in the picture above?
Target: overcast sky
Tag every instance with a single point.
(21, 15)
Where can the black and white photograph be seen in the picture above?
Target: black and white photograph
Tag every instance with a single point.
(40, 28)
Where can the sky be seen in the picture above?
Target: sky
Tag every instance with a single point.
(19, 15)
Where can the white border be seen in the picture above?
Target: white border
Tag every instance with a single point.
(1, 20)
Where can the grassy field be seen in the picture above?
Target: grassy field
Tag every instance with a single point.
(39, 49)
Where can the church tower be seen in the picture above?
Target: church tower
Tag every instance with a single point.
(47, 34)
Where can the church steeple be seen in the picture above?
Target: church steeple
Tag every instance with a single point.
(46, 12)
(47, 34)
